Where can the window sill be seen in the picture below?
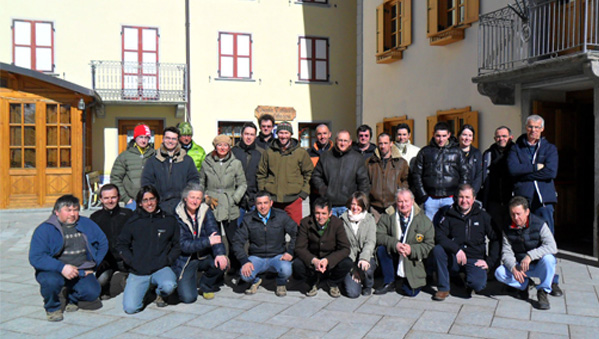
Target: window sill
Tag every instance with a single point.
(389, 56)
(235, 79)
(315, 4)
(313, 82)
(448, 36)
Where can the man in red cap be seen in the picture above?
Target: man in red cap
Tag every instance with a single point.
(128, 166)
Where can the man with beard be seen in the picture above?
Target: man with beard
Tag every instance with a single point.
(195, 151)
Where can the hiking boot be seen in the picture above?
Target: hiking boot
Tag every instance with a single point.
(440, 295)
(523, 294)
(542, 299)
(117, 283)
(54, 316)
(281, 291)
(254, 288)
(390, 287)
(334, 292)
(313, 291)
(90, 305)
(556, 291)
(367, 291)
(160, 301)
(208, 295)
(71, 308)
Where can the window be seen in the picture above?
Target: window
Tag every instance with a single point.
(58, 135)
(140, 63)
(447, 19)
(33, 45)
(232, 129)
(455, 118)
(394, 29)
(235, 55)
(22, 136)
(389, 126)
(313, 59)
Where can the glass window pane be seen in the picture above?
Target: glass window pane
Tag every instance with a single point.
(226, 44)
(305, 70)
(29, 136)
(131, 62)
(243, 67)
(43, 34)
(321, 49)
(15, 158)
(321, 70)
(305, 48)
(149, 63)
(15, 136)
(65, 114)
(65, 136)
(23, 57)
(30, 113)
(22, 33)
(148, 37)
(130, 37)
(243, 45)
(43, 59)
(226, 66)
(65, 157)
(29, 158)
(52, 158)
(15, 113)
(51, 136)
(51, 116)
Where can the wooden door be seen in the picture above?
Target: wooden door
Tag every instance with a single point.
(389, 126)
(126, 128)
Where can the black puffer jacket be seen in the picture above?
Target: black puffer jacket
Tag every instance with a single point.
(339, 174)
(249, 155)
(112, 223)
(467, 233)
(474, 159)
(438, 171)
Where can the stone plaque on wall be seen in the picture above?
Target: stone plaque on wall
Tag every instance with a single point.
(280, 113)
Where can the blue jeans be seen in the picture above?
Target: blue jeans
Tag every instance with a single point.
(432, 206)
(354, 289)
(138, 285)
(337, 211)
(242, 212)
(544, 269)
(476, 277)
(273, 264)
(78, 289)
(389, 264)
(188, 288)
(546, 213)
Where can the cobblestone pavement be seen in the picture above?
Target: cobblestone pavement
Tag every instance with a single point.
(232, 314)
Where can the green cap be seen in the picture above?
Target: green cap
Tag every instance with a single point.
(185, 128)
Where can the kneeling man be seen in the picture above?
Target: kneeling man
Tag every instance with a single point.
(322, 250)
(528, 249)
(265, 229)
(65, 251)
(461, 244)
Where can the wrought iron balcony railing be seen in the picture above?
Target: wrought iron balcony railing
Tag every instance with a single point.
(133, 81)
(531, 30)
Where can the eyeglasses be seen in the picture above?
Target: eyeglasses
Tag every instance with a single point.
(147, 200)
(534, 127)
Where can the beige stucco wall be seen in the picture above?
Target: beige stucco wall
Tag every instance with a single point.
(429, 78)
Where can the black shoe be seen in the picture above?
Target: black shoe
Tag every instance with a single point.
(90, 305)
(556, 291)
(523, 295)
(543, 302)
(367, 291)
(390, 287)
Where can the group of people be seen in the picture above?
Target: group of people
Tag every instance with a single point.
(441, 210)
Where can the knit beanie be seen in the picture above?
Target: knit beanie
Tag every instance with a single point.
(141, 130)
(284, 126)
(185, 128)
(221, 138)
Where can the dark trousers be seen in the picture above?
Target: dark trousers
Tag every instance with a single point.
(78, 289)
(231, 228)
(187, 286)
(446, 263)
(388, 263)
(334, 276)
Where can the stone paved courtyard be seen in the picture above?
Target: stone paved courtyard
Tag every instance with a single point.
(235, 315)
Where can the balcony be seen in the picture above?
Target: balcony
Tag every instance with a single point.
(143, 83)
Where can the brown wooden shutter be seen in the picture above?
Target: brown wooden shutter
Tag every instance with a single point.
(472, 8)
(432, 18)
(406, 23)
(380, 28)
(431, 121)
(472, 119)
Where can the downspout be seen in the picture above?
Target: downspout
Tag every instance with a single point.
(187, 65)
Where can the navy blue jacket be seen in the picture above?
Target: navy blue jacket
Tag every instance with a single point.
(47, 244)
(198, 244)
(523, 168)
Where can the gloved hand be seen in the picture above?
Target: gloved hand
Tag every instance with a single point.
(211, 201)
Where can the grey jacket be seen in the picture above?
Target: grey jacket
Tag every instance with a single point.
(363, 242)
(548, 246)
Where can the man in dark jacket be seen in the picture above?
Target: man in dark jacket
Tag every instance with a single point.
(388, 172)
(322, 250)
(265, 229)
(322, 144)
(266, 123)
(111, 218)
(533, 163)
(438, 170)
(249, 154)
(461, 244)
(170, 171)
(497, 187)
(339, 173)
(149, 245)
(363, 144)
(65, 251)
(528, 251)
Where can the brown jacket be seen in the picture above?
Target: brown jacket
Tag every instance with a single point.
(385, 182)
(332, 245)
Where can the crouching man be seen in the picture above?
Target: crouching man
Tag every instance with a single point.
(528, 249)
(65, 251)
(149, 244)
(201, 247)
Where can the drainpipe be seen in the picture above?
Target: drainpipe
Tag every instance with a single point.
(187, 64)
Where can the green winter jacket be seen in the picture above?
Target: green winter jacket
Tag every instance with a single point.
(285, 174)
(224, 180)
(197, 153)
(126, 171)
(420, 237)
